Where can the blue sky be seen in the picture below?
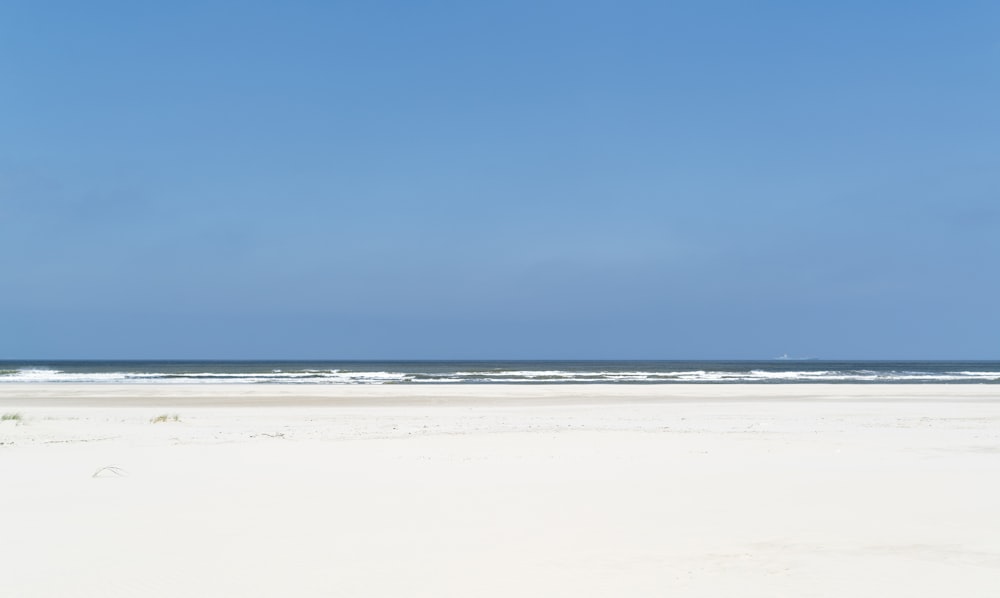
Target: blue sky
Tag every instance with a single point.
(488, 180)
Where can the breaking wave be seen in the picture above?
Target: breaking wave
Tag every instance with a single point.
(406, 373)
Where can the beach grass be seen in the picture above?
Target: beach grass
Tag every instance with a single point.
(164, 417)
(13, 416)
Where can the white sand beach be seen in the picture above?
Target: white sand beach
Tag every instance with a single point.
(499, 490)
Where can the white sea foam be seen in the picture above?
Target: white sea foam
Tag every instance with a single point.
(496, 376)
(43, 375)
(328, 376)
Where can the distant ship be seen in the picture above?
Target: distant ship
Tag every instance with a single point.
(785, 357)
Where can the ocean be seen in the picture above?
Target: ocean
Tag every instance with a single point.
(774, 371)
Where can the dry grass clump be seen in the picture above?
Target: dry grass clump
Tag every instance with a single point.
(11, 417)
(163, 418)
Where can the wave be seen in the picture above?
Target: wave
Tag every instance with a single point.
(500, 376)
(318, 376)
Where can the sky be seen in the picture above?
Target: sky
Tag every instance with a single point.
(485, 180)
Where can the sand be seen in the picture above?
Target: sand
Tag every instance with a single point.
(707, 490)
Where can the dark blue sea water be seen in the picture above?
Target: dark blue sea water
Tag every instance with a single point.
(775, 371)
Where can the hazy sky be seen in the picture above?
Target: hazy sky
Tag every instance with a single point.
(534, 179)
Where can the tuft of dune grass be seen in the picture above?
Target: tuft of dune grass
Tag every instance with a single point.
(11, 417)
(163, 418)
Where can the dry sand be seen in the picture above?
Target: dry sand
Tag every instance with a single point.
(271, 490)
